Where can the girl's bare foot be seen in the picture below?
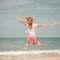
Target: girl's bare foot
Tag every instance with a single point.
(25, 48)
(38, 43)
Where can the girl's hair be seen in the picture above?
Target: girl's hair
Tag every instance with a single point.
(30, 18)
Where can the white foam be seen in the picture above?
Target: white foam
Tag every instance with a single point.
(29, 52)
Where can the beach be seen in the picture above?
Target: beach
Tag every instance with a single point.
(29, 58)
(37, 19)
(31, 55)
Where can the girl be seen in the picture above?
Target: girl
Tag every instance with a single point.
(31, 31)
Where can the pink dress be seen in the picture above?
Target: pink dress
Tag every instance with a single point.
(31, 34)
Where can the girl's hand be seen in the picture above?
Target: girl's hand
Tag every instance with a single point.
(20, 20)
(17, 18)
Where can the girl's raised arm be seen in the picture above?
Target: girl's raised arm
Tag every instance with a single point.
(42, 25)
(20, 20)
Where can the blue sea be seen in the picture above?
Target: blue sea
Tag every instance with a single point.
(17, 44)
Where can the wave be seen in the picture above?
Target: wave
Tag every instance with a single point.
(30, 52)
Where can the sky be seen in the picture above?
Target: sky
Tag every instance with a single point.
(42, 11)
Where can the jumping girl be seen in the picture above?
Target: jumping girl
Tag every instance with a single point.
(31, 30)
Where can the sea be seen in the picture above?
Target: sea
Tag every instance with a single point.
(17, 44)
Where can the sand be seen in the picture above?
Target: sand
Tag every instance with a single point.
(29, 58)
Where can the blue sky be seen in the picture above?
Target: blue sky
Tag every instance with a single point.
(42, 11)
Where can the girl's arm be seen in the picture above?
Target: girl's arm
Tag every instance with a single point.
(20, 20)
(42, 25)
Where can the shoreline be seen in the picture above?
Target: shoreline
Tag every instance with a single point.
(29, 58)
(30, 55)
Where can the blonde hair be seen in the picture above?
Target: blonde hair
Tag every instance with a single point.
(30, 18)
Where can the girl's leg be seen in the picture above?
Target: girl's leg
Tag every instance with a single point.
(27, 43)
(26, 46)
(38, 43)
(35, 42)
